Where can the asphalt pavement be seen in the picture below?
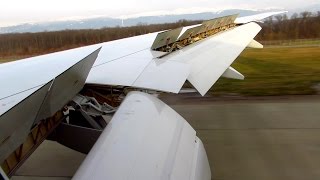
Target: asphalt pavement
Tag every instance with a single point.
(244, 139)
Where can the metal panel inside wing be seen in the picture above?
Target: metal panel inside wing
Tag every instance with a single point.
(233, 18)
(211, 24)
(166, 37)
(224, 21)
(190, 32)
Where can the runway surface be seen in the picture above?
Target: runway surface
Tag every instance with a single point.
(245, 140)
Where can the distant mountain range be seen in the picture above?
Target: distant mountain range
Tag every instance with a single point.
(97, 23)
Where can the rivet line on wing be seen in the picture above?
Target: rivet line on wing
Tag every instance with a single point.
(120, 58)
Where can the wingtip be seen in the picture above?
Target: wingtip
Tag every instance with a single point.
(255, 44)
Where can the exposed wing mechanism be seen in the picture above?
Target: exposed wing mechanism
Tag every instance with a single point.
(22, 110)
(189, 33)
(66, 86)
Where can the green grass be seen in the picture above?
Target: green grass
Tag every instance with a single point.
(297, 42)
(5, 60)
(271, 71)
(274, 71)
(9, 59)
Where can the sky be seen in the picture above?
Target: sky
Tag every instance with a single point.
(14, 12)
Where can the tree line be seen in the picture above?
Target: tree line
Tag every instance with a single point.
(29, 44)
(303, 25)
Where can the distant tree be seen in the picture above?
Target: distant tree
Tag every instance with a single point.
(305, 25)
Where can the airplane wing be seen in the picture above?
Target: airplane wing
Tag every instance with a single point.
(141, 69)
(36, 88)
(257, 17)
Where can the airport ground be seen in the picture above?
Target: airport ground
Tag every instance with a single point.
(261, 138)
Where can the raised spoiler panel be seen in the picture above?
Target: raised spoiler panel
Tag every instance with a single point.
(190, 32)
(146, 140)
(166, 37)
(209, 58)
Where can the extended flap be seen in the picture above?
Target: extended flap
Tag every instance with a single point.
(232, 74)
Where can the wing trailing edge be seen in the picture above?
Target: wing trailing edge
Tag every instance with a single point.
(211, 57)
(224, 49)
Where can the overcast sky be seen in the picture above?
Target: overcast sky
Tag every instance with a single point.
(21, 11)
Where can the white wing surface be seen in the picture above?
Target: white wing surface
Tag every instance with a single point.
(168, 73)
(257, 17)
(24, 77)
(29, 73)
(140, 69)
(210, 57)
(146, 139)
(22, 110)
(127, 62)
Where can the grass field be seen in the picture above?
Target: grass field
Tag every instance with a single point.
(13, 58)
(274, 71)
(294, 42)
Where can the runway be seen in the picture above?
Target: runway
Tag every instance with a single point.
(245, 139)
